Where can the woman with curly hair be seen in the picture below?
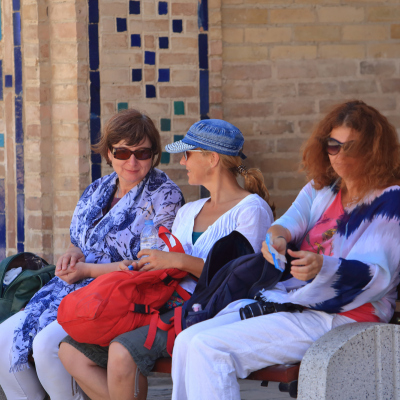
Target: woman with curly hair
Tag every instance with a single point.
(346, 224)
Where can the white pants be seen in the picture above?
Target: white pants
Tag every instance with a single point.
(49, 375)
(210, 356)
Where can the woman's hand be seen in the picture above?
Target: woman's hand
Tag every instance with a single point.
(125, 264)
(74, 273)
(278, 243)
(72, 256)
(156, 259)
(307, 264)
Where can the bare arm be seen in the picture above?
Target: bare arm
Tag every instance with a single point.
(82, 270)
(161, 260)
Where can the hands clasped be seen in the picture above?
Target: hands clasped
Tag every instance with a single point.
(71, 265)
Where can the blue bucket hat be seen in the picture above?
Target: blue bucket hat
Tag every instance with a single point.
(211, 134)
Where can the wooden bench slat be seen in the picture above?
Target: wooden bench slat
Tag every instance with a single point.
(274, 373)
(277, 373)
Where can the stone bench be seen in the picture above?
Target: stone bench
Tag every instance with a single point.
(355, 361)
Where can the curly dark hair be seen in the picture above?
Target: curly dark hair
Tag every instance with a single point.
(133, 127)
(377, 148)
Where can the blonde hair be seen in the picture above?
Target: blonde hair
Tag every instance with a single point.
(253, 178)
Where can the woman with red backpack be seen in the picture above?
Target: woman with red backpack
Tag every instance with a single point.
(212, 156)
(105, 229)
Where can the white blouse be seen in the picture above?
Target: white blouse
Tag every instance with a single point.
(252, 217)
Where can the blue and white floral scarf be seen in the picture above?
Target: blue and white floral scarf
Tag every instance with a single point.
(107, 238)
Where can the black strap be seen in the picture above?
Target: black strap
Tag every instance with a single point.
(141, 308)
(167, 280)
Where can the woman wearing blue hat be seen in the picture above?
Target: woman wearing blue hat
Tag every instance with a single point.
(212, 156)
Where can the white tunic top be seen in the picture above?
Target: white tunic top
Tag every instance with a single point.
(252, 217)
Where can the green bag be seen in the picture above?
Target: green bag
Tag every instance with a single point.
(36, 272)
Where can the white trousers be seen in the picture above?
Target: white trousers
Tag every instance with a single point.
(209, 357)
(49, 376)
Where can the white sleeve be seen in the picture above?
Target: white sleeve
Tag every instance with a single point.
(253, 223)
(296, 218)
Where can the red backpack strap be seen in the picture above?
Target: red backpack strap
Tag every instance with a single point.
(183, 293)
(162, 233)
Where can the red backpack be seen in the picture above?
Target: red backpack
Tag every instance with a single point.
(121, 301)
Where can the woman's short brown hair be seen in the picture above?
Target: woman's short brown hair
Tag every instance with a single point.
(377, 148)
(133, 127)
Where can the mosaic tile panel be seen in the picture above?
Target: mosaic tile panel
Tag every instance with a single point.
(19, 129)
(94, 77)
(154, 64)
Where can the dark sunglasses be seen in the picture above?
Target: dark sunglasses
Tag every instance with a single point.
(125, 154)
(333, 146)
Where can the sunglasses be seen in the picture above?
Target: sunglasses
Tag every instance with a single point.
(186, 155)
(125, 154)
(333, 146)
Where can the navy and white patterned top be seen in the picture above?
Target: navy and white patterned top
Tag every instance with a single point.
(112, 237)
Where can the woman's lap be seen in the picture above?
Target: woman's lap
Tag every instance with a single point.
(133, 341)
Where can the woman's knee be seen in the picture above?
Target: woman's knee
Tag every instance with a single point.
(120, 361)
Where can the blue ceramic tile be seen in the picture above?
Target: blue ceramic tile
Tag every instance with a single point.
(96, 171)
(1, 77)
(93, 11)
(16, 5)
(134, 7)
(94, 57)
(150, 57)
(204, 93)
(179, 108)
(19, 129)
(1, 139)
(150, 91)
(136, 75)
(203, 51)
(121, 25)
(17, 28)
(165, 124)
(2, 196)
(136, 41)
(177, 25)
(18, 70)
(202, 14)
(3, 242)
(8, 81)
(95, 126)
(20, 218)
(163, 75)
(162, 8)
(20, 247)
(95, 158)
(178, 137)
(165, 157)
(122, 106)
(163, 42)
(95, 93)
(20, 169)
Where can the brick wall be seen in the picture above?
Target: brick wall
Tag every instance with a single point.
(286, 62)
(272, 68)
